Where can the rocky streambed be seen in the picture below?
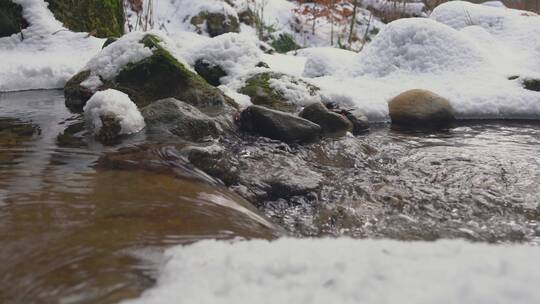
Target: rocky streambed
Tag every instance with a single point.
(84, 221)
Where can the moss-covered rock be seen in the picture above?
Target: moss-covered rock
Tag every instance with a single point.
(215, 23)
(11, 19)
(284, 43)
(261, 93)
(157, 77)
(105, 18)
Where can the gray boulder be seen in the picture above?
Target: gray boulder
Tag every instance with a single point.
(181, 119)
(330, 122)
(278, 125)
(420, 108)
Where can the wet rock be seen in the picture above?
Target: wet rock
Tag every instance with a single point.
(278, 125)
(211, 73)
(156, 77)
(215, 23)
(214, 161)
(271, 170)
(181, 119)
(359, 121)
(420, 108)
(531, 84)
(329, 122)
(104, 18)
(110, 129)
(11, 19)
(260, 91)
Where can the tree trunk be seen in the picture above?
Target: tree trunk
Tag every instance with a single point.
(353, 21)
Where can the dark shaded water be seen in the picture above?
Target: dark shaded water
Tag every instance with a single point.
(74, 231)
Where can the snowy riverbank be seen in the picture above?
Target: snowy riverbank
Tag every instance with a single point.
(347, 271)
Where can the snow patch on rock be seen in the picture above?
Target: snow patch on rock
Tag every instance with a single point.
(116, 103)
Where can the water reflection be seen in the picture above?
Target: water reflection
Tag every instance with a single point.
(72, 232)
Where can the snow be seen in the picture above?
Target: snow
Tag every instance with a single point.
(116, 103)
(110, 61)
(324, 61)
(47, 56)
(467, 64)
(236, 54)
(293, 90)
(174, 16)
(347, 271)
(409, 8)
(288, 64)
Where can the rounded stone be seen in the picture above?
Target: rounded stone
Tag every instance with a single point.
(420, 108)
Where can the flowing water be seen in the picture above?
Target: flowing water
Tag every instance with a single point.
(78, 227)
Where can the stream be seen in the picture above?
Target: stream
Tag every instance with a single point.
(73, 230)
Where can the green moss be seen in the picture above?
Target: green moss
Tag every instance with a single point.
(156, 77)
(284, 43)
(103, 17)
(259, 90)
(216, 23)
(11, 19)
(161, 75)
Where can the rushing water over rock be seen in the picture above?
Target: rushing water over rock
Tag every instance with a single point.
(81, 222)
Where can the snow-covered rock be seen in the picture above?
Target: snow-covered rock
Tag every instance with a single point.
(347, 271)
(148, 68)
(236, 54)
(419, 45)
(117, 106)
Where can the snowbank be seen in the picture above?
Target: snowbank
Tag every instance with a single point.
(347, 271)
(323, 61)
(419, 45)
(468, 64)
(47, 56)
(116, 103)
